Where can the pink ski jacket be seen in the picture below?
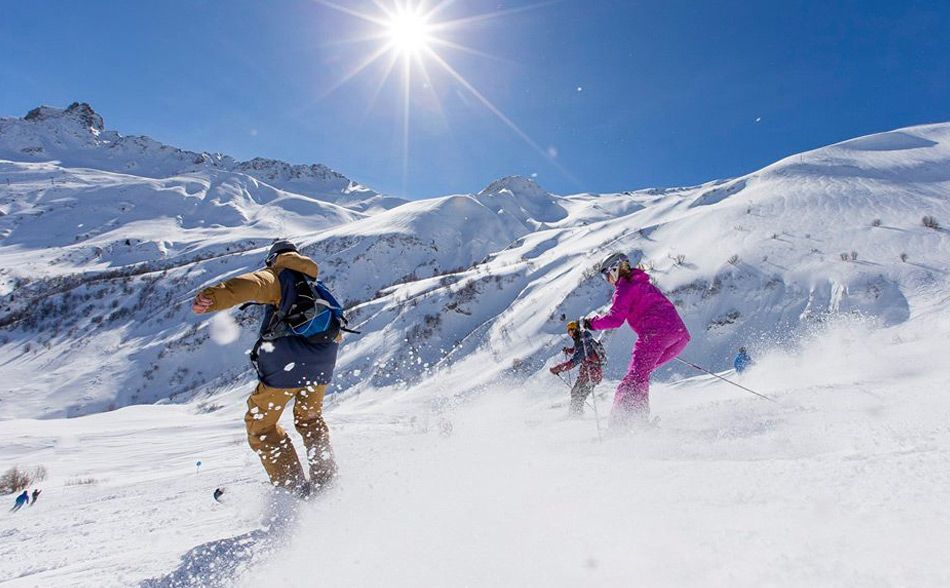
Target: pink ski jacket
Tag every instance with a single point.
(641, 305)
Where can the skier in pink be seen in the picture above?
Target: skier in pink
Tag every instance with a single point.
(661, 334)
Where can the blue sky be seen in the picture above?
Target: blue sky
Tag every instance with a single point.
(608, 95)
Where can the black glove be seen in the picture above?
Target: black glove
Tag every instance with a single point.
(585, 322)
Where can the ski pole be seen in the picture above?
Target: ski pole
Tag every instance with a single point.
(702, 369)
(593, 401)
(593, 394)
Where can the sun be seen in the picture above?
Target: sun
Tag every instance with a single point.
(410, 37)
(409, 33)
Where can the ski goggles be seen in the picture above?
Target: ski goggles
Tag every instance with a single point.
(610, 272)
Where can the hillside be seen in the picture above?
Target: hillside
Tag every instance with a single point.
(98, 266)
(457, 464)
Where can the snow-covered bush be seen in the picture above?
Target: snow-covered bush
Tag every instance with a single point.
(590, 272)
(16, 479)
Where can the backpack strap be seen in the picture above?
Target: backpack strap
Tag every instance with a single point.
(293, 286)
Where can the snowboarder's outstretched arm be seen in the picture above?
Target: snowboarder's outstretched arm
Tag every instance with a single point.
(260, 286)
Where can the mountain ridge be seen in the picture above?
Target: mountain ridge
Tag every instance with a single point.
(76, 136)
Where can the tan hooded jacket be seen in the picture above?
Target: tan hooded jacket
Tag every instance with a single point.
(262, 286)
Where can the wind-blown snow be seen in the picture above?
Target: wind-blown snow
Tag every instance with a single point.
(224, 330)
(843, 482)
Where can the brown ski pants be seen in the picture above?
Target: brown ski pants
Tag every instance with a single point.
(273, 445)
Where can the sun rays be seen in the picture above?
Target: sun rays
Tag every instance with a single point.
(409, 36)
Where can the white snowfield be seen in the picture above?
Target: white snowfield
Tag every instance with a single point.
(844, 482)
(457, 464)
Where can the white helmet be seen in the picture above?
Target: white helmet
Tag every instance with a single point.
(610, 266)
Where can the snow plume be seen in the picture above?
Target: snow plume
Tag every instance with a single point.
(224, 330)
(446, 484)
(728, 489)
(842, 351)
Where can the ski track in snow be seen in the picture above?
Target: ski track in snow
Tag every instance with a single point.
(844, 482)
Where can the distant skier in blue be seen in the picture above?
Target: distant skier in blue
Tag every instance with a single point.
(743, 361)
(21, 500)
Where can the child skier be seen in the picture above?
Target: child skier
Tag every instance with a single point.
(661, 334)
(587, 353)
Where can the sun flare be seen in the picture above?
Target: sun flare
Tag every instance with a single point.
(408, 33)
(411, 37)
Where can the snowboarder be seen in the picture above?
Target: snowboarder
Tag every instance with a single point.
(20, 501)
(743, 361)
(661, 334)
(218, 493)
(583, 353)
(36, 494)
(289, 367)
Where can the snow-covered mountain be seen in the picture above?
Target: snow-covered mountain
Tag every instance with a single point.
(821, 264)
(751, 261)
(77, 137)
(98, 266)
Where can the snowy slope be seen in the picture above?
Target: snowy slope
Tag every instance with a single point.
(96, 266)
(458, 468)
(76, 218)
(107, 314)
(756, 260)
(483, 278)
(844, 482)
(102, 236)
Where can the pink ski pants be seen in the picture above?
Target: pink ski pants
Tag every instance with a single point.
(650, 352)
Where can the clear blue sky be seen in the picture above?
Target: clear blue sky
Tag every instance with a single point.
(671, 89)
